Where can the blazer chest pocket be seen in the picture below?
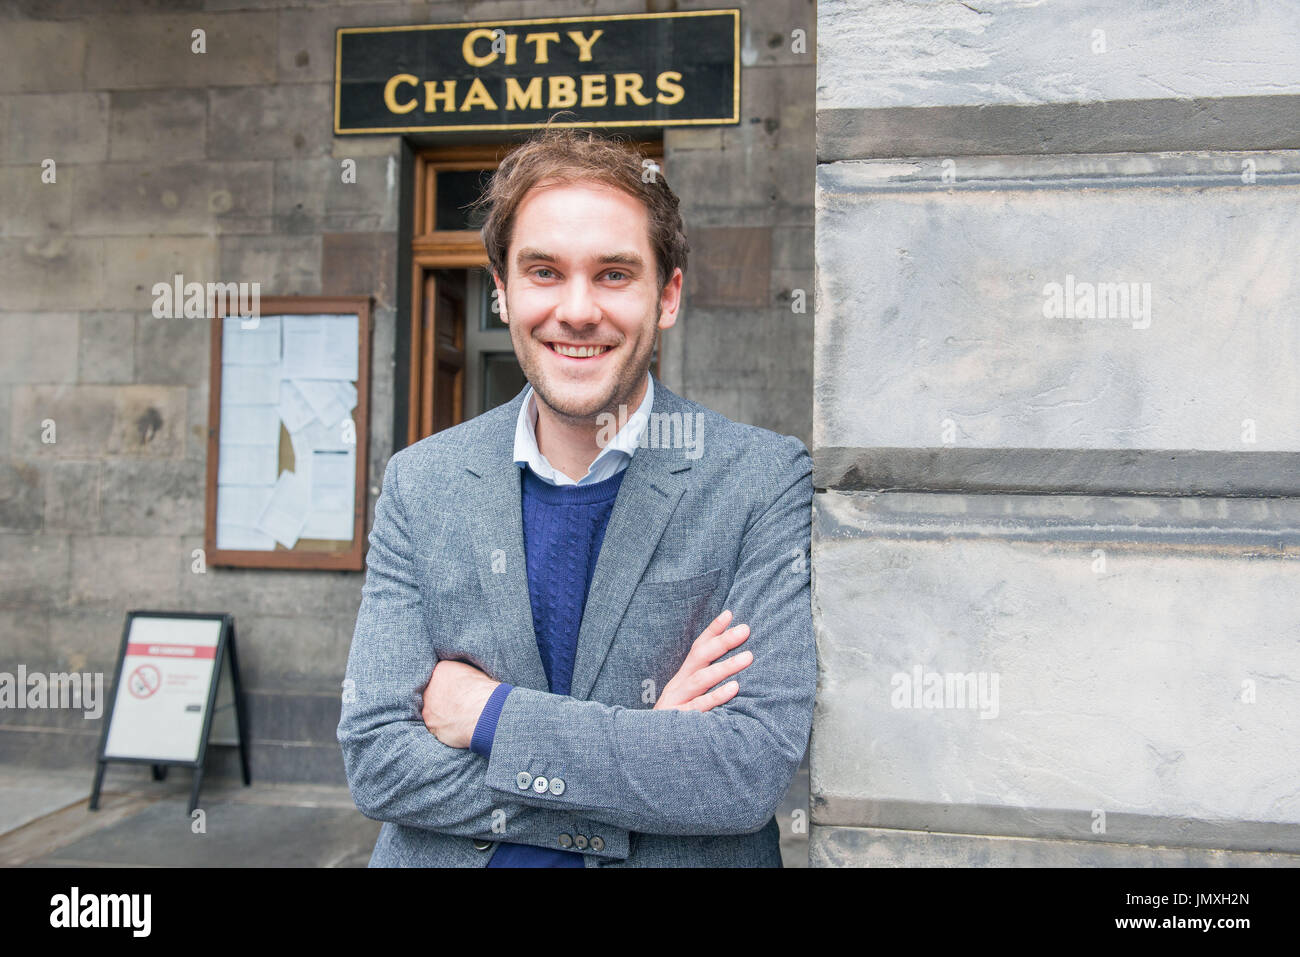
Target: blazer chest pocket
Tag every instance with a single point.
(679, 590)
(662, 621)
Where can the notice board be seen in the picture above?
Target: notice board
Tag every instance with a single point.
(287, 437)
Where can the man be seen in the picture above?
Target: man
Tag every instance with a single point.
(534, 678)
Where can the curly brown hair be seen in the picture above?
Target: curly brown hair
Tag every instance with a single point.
(569, 156)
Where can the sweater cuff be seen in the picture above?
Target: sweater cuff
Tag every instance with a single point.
(486, 729)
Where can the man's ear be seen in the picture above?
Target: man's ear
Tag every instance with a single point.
(670, 300)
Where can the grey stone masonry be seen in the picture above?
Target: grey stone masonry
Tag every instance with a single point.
(1057, 434)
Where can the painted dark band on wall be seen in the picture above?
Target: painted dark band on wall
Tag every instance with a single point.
(657, 69)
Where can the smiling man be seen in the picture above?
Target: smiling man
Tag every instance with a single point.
(537, 676)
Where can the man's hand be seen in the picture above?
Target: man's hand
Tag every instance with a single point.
(453, 701)
(686, 690)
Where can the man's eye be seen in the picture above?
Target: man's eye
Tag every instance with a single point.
(616, 274)
(540, 270)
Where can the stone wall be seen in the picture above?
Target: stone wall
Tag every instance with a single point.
(1058, 375)
(223, 166)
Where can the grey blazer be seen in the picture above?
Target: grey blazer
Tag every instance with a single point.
(711, 514)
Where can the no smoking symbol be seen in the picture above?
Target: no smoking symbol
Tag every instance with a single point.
(144, 681)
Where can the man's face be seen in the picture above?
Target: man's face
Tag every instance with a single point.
(582, 273)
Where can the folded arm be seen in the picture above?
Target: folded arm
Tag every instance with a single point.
(398, 771)
(723, 771)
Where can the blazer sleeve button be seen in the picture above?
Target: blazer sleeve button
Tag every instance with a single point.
(540, 784)
(597, 843)
(524, 780)
(580, 842)
(557, 786)
(566, 840)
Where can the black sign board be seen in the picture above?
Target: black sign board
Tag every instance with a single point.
(650, 69)
(176, 690)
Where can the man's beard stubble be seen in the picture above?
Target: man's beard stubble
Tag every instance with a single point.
(628, 377)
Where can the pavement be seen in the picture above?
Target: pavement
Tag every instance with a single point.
(45, 821)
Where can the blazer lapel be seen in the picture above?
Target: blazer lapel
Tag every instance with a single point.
(496, 525)
(646, 500)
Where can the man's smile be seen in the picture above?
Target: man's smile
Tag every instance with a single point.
(581, 353)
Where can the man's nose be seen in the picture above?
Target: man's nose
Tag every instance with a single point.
(578, 303)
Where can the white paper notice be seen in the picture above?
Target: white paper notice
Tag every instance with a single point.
(327, 398)
(286, 512)
(320, 347)
(247, 465)
(294, 409)
(249, 385)
(250, 425)
(244, 539)
(332, 475)
(260, 346)
(242, 505)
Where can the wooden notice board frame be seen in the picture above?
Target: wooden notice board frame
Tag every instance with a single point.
(317, 554)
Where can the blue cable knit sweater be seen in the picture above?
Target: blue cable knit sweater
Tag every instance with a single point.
(564, 527)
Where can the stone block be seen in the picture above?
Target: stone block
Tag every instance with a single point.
(155, 51)
(21, 496)
(151, 497)
(906, 78)
(96, 421)
(52, 272)
(1030, 666)
(288, 265)
(295, 121)
(302, 654)
(149, 124)
(120, 199)
(732, 266)
(33, 570)
(886, 847)
(42, 56)
(86, 639)
(134, 264)
(26, 632)
(106, 348)
(360, 264)
(1177, 358)
(31, 207)
(39, 347)
(311, 197)
(65, 127)
(72, 496)
(124, 571)
(172, 351)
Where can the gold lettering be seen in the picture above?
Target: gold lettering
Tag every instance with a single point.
(563, 92)
(512, 41)
(671, 92)
(584, 44)
(390, 90)
(629, 85)
(541, 39)
(467, 48)
(593, 85)
(478, 96)
(518, 98)
(431, 93)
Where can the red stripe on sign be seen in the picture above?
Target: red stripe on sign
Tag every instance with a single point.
(172, 651)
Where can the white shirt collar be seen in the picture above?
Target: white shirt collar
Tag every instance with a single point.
(612, 458)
